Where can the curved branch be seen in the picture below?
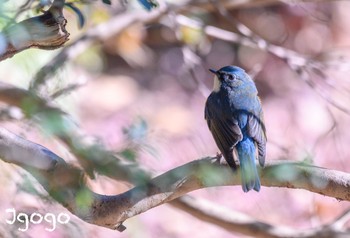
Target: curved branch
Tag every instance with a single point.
(112, 211)
(237, 222)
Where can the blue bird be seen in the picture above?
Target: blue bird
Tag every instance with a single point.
(235, 118)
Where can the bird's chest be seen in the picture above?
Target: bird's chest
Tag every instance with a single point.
(236, 105)
(237, 100)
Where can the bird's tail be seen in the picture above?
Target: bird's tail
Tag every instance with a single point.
(249, 173)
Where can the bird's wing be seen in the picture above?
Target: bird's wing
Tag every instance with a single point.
(256, 129)
(224, 128)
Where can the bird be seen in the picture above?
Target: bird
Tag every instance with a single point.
(235, 118)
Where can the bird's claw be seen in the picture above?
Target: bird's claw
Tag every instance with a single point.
(218, 157)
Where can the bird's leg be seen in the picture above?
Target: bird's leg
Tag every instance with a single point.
(218, 157)
(232, 164)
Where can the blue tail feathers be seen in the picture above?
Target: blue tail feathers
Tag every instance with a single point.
(249, 173)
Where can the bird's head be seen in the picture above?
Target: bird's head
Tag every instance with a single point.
(230, 76)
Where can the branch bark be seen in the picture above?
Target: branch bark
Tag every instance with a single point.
(64, 182)
(46, 31)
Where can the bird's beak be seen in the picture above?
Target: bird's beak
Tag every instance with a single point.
(213, 71)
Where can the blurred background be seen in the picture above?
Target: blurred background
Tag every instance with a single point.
(145, 87)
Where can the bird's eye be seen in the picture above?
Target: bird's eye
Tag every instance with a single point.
(227, 76)
(231, 76)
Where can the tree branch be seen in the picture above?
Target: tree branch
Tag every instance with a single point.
(237, 222)
(19, 97)
(92, 157)
(112, 211)
(46, 31)
(115, 25)
(99, 33)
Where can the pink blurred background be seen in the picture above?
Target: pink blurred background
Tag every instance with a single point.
(144, 73)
